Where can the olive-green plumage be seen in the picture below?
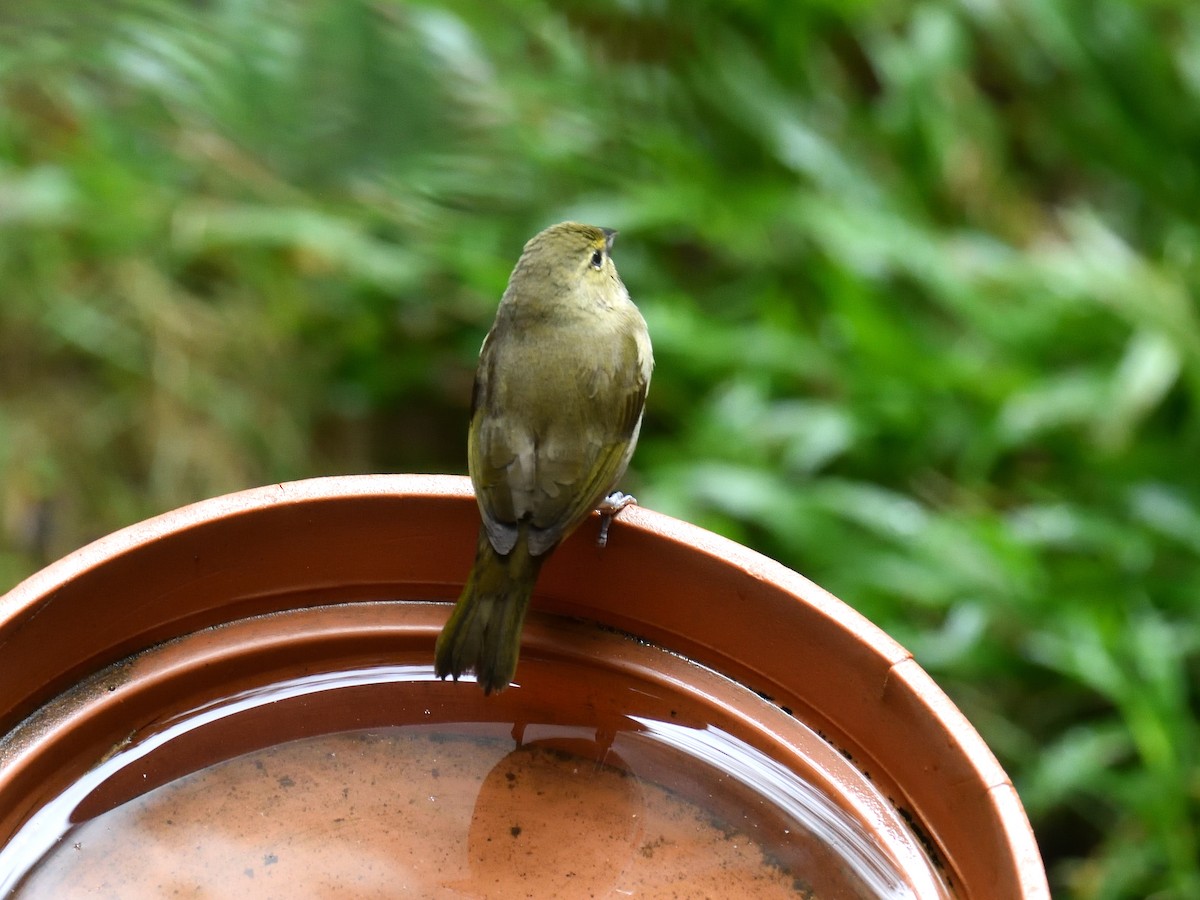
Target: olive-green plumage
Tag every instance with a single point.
(555, 415)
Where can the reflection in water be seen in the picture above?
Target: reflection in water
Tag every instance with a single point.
(382, 814)
(651, 809)
(553, 823)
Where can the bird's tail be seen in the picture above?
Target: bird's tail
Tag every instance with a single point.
(483, 633)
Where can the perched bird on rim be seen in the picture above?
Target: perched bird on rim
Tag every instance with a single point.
(555, 415)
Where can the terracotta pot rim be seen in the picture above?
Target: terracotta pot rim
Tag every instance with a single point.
(796, 642)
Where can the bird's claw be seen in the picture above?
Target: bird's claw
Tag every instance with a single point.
(608, 509)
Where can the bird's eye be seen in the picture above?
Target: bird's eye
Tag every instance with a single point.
(598, 259)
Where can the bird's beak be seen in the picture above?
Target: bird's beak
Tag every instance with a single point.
(609, 235)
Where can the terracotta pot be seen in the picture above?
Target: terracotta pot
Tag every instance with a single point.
(305, 579)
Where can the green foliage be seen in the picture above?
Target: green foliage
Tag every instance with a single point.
(921, 280)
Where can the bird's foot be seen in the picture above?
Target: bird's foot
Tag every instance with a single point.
(608, 509)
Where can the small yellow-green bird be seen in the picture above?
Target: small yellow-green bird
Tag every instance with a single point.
(555, 415)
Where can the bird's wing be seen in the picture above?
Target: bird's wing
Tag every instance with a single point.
(490, 453)
(551, 476)
(585, 470)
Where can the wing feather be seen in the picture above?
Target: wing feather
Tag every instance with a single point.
(546, 465)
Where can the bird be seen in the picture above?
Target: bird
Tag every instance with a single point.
(556, 410)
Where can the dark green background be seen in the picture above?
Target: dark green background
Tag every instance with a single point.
(921, 280)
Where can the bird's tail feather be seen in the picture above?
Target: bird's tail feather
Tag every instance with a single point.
(483, 633)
